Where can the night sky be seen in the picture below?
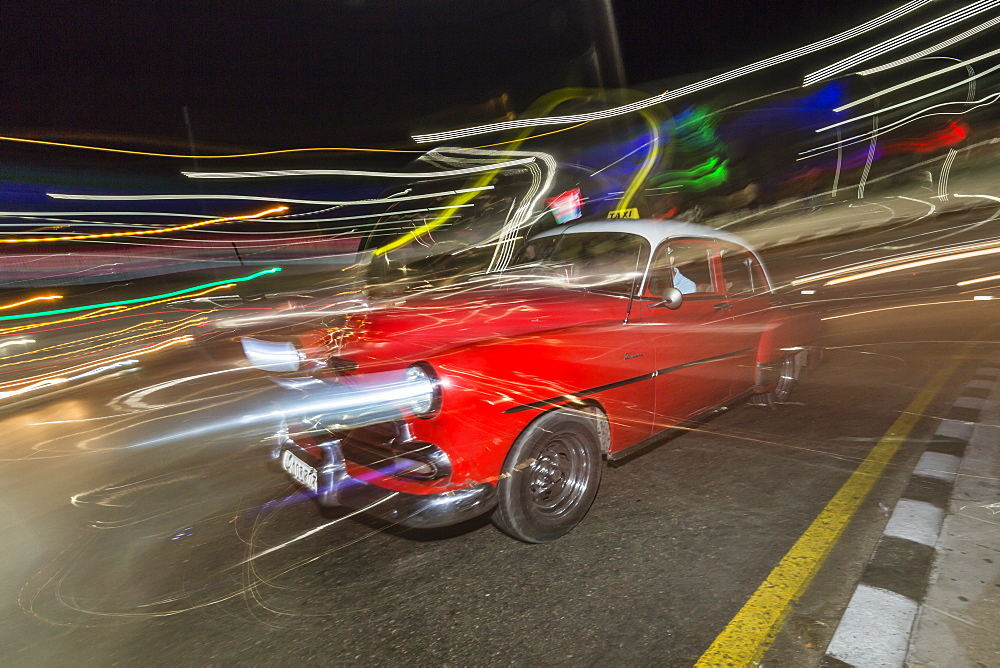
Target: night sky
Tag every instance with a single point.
(316, 72)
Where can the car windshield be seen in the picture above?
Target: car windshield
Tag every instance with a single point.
(609, 262)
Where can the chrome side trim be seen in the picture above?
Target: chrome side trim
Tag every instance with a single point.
(555, 401)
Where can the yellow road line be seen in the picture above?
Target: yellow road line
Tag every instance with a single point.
(749, 634)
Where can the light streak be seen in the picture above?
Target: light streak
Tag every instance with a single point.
(379, 215)
(840, 164)
(106, 235)
(85, 339)
(894, 308)
(911, 265)
(893, 261)
(900, 40)
(989, 197)
(89, 368)
(105, 149)
(647, 165)
(684, 90)
(469, 193)
(931, 49)
(349, 172)
(29, 301)
(315, 530)
(204, 157)
(118, 339)
(908, 168)
(994, 277)
(138, 300)
(16, 342)
(892, 89)
(826, 148)
(115, 310)
(29, 214)
(912, 100)
(869, 159)
(390, 200)
(945, 172)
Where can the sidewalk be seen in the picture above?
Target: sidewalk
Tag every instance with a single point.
(959, 622)
(930, 595)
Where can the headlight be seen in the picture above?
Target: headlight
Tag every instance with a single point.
(425, 395)
(272, 355)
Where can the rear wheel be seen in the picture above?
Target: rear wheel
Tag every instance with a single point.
(550, 477)
(788, 377)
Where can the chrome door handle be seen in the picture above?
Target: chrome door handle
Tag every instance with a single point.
(723, 306)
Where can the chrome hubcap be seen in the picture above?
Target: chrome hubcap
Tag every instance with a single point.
(557, 477)
(789, 373)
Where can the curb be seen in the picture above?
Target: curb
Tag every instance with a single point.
(876, 625)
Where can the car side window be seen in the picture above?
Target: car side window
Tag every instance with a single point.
(685, 265)
(742, 273)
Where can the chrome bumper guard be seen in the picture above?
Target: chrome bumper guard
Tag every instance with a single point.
(423, 511)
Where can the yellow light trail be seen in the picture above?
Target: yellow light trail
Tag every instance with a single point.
(106, 235)
(29, 301)
(311, 149)
(192, 321)
(57, 377)
(104, 335)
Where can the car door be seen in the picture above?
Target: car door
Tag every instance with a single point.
(749, 296)
(692, 344)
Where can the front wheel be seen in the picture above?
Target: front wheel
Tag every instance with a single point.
(550, 477)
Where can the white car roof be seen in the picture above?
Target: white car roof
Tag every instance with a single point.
(654, 231)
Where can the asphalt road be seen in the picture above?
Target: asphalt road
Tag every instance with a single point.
(141, 525)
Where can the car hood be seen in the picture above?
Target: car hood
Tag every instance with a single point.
(419, 327)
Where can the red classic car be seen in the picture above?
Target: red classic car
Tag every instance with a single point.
(508, 393)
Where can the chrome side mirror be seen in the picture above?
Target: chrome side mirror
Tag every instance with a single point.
(671, 299)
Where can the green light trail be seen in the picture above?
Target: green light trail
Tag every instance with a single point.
(139, 300)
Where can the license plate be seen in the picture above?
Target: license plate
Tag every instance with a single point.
(298, 469)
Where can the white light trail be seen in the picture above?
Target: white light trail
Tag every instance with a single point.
(385, 200)
(903, 260)
(931, 49)
(349, 172)
(869, 159)
(680, 92)
(16, 342)
(913, 265)
(315, 530)
(945, 172)
(994, 277)
(902, 39)
(379, 215)
(912, 100)
(17, 214)
(916, 116)
(895, 308)
(892, 89)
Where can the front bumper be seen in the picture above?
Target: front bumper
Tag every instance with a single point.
(335, 487)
